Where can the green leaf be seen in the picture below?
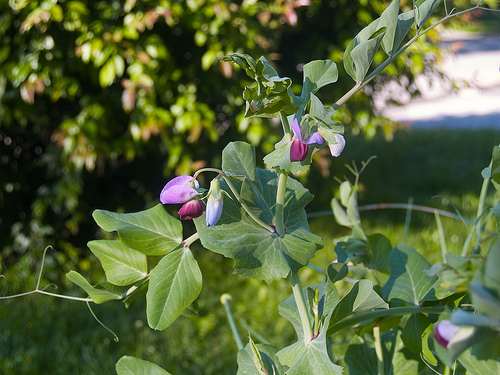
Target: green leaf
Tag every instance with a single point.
(380, 248)
(313, 358)
(174, 284)
(361, 50)
(239, 160)
(257, 252)
(152, 232)
(107, 73)
(482, 358)
(336, 272)
(122, 265)
(340, 215)
(405, 20)
(389, 20)
(424, 11)
(134, 366)
(246, 360)
(100, 293)
(407, 282)
(413, 331)
(359, 299)
(318, 73)
(323, 117)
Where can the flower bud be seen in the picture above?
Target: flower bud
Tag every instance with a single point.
(298, 151)
(337, 148)
(214, 203)
(191, 209)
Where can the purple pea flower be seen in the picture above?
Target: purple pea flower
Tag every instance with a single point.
(299, 148)
(182, 189)
(445, 331)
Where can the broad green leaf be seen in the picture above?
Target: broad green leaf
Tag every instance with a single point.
(405, 20)
(359, 299)
(174, 284)
(100, 293)
(318, 73)
(389, 20)
(491, 276)
(246, 363)
(152, 232)
(361, 358)
(340, 215)
(413, 330)
(363, 54)
(256, 251)
(122, 265)
(360, 52)
(345, 192)
(323, 116)
(336, 272)
(134, 366)
(313, 358)
(380, 249)
(482, 358)
(424, 11)
(239, 160)
(408, 281)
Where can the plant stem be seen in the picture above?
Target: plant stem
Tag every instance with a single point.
(285, 124)
(378, 350)
(224, 299)
(245, 207)
(280, 202)
(189, 241)
(301, 306)
(395, 311)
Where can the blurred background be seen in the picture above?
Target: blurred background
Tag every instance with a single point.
(101, 102)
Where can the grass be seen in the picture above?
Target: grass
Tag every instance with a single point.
(41, 335)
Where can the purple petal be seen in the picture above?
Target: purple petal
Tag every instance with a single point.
(445, 330)
(298, 151)
(296, 129)
(180, 180)
(191, 210)
(315, 138)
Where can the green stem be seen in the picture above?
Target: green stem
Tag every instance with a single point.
(301, 306)
(395, 311)
(480, 206)
(280, 202)
(224, 299)
(189, 241)
(245, 207)
(378, 350)
(285, 124)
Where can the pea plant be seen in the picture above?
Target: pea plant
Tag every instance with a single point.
(443, 317)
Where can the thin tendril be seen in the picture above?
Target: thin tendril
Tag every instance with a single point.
(102, 324)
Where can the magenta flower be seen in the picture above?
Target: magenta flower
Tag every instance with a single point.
(182, 189)
(191, 209)
(445, 330)
(299, 148)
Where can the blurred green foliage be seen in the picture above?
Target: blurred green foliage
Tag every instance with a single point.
(102, 101)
